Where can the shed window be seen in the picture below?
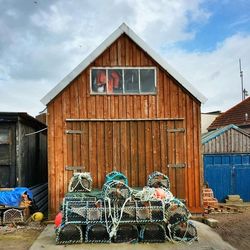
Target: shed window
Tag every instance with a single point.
(123, 80)
(4, 146)
(4, 136)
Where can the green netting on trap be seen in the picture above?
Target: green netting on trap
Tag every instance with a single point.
(158, 179)
(116, 176)
(116, 190)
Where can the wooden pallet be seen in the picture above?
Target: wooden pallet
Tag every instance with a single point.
(221, 209)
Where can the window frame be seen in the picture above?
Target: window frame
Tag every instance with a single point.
(123, 83)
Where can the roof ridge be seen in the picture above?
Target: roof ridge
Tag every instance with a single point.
(226, 117)
(215, 133)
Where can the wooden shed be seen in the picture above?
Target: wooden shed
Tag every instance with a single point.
(226, 156)
(23, 158)
(124, 108)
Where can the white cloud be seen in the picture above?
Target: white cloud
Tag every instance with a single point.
(53, 20)
(165, 22)
(22, 96)
(41, 43)
(216, 73)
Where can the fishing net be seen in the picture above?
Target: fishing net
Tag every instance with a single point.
(143, 212)
(95, 215)
(12, 215)
(176, 212)
(158, 180)
(157, 211)
(69, 234)
(116, 176)
(97, 233)
(126, 233)
(75, 212)
(152, 232)
(129, 212)
(80, 182)
(185, 231)
(116, 190)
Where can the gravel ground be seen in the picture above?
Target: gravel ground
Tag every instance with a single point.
(20, 237)
(234, 228)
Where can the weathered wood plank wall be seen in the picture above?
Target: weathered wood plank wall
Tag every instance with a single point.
(171, 101)
(137, 148)
(232, 141)
(23, 160)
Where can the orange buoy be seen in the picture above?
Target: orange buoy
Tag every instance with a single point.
(58, 219)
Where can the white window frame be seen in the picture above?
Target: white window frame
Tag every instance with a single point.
(123, 85)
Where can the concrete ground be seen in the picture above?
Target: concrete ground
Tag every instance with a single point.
(208, 240)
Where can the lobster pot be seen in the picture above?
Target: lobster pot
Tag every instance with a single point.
(69, 234)
(97, 233)
(12, 215)
(1, 217)
(80, 182)
(176, 212)
(143, 212)
(158, 179)
(82, 212)
(116, 190)
(157, 211)
(77, 196)
(184, 232)
(116, 176)
(75, 212)
(95, 215)
(126, 233)
(128, 213)
(152, 232)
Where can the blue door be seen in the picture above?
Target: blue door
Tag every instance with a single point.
(228, 174)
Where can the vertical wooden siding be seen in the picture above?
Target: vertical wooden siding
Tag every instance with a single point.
(171, 101)
(232, 141)
(137, 148)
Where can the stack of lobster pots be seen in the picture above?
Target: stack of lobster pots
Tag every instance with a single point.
(121, 214)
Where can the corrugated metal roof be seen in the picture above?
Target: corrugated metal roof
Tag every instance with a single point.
(216, 133)
(103, 46)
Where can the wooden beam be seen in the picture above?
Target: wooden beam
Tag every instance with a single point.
(123, 119)
(74, 168)
(73, 131)
(177, 165)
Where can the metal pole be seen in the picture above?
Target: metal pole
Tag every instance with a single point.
(241, 77)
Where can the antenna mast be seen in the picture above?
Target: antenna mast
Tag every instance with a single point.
(241, 77)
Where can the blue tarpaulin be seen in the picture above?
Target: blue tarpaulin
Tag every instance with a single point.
(14, 197)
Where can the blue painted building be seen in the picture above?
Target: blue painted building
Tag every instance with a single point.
(226, 158)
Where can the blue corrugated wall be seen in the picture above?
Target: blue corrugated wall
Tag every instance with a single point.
(228, 174)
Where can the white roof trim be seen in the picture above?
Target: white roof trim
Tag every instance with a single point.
(102, 47)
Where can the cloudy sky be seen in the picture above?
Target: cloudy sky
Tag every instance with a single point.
(41, 41)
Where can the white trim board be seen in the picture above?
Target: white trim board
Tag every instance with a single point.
(102, 47)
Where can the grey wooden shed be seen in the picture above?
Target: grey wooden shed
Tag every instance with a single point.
(23, 153)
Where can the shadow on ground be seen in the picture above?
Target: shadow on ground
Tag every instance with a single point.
(208, 240)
